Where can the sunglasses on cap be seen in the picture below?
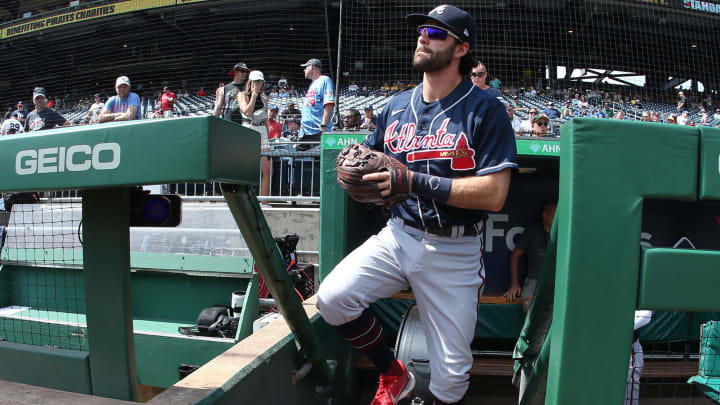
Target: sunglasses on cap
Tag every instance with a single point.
(434, 32)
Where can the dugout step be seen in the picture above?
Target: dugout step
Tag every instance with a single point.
(487, 298)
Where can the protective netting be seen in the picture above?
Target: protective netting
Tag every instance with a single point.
(42, 298)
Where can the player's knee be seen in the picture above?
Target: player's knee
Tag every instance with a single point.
(334, 305)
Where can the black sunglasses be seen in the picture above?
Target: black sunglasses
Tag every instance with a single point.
(478, 74)
(542, 124)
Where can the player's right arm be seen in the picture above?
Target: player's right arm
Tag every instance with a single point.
(219, 96)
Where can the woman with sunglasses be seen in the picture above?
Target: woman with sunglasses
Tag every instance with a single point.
(479, 77)
(252, 103)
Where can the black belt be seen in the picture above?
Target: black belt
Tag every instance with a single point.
(449, 231)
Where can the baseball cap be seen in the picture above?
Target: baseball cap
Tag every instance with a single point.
(274, 107)
(238, 66)
(540, 117)
(20, 103)
(312, 62)
(457, 20)
(256, 75)
(98, 95)
(122, 80)
(166, 88)
(38, 91)
(368, 107)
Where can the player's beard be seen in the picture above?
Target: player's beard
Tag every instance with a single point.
(434, 61)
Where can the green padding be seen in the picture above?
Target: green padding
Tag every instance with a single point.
(149, 152)
(680, 279)
(709, 163)
(709, 365)
(709, 386)
(607, 168)
(66, 370)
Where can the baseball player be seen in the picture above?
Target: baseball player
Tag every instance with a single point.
(458, 145)
(637, 362)
(12, 125)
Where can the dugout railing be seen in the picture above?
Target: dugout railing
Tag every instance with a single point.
(594, 254)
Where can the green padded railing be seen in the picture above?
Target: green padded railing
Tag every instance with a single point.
(602, 275)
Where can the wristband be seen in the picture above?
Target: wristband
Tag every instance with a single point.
(437, 188)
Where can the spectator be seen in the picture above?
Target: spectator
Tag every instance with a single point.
(351, 120)
(253, 104)
(22, 113)
(9, 112)
(353, 88)
(319, 101)
(683, 118)
(583, 112)
(167, 102)
(201, 92)
(369, 121)
(551, 111)
(682, 103)
(705, 120)
(94, 111)
(43, 117)
(125, 106)
(12, 126)
(478, 77)
(292, 128)
(496, 83)
(282, 83)
(283, 93)
(184, 93)
(274, 127)
(672, 119)
(527, 126)
(514, 121)
(583, 102)
(226, 96)
(656, 117)
(566, 112)
(291, 112)
(540, 125)
(645, 116)
(532, 243)
(620, 115)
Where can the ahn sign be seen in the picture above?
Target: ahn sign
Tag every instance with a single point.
(76, 158)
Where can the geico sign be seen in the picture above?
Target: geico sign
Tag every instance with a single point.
(76, 158)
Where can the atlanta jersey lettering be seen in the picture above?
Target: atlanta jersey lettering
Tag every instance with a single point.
(466, 133)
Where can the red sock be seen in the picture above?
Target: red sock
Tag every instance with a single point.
(395, 368)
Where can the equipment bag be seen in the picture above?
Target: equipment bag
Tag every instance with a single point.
(216, 321)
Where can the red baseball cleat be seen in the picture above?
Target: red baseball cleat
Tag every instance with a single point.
(392, 389)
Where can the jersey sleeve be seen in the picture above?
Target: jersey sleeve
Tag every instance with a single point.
(327, 91)
(495, 148)
(110, 104)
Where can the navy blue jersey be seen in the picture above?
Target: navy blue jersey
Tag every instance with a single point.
(467, 133)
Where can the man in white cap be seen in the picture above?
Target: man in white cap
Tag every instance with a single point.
(319, 101)
(43, 117)
(125, 106)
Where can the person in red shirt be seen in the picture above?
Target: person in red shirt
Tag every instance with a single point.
(201, 92)
(167, 101)
(274, 127)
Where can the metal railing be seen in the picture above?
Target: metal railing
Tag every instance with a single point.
(294, 178)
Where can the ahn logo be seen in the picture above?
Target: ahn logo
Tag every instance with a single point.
(76, 158)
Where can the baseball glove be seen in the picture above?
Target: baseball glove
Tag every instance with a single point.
(355, 161)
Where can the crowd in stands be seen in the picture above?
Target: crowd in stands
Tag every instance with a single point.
(532, 111)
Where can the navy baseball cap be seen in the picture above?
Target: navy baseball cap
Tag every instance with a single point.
(457, 20)
(274, 107)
